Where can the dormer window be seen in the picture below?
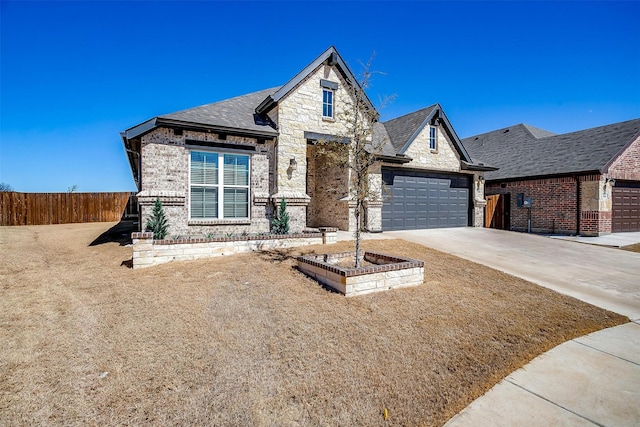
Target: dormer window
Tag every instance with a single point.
(433, 138)
(328, 91)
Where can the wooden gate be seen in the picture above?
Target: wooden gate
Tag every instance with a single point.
(496, 214)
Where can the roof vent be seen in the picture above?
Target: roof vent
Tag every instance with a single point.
(506, 131)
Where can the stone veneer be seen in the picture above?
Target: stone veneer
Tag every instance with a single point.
(389, 273)
(148, 252)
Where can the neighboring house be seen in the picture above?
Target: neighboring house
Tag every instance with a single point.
(222, 167)
(585, 182)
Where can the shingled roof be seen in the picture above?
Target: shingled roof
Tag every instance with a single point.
(522, 151)
(402, 129)
(236, 113)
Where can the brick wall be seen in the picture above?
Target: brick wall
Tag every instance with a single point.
(327, 187)
(165, 175)
(627, 166)
(554, 203)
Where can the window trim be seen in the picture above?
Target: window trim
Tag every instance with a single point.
(221, 187)
(433, 139)
(332, 104)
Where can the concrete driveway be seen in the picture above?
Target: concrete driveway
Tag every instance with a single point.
(588, 381)
(602, 276)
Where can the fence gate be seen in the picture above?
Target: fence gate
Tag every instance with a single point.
(497, 213)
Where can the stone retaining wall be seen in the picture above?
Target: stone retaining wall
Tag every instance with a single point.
(148, 252)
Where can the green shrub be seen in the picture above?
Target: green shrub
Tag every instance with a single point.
(280, 224)
(157, 223)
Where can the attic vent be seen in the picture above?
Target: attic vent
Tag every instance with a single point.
(476, 138)
(506, 131)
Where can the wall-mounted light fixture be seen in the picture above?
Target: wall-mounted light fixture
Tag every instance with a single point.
(610, 181)
(293, 164)
(480, 181)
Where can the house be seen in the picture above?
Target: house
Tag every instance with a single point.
(585, 182)
(222, 167)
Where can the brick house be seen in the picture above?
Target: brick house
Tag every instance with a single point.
(222, 167)
(585, 182)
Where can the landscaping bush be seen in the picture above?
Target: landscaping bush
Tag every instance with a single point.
(280, 224)
(157, 223)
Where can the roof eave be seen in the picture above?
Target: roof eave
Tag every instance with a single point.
(479, 167)
(223, 129)
(400, 159)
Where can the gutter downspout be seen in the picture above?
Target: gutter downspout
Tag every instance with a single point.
(578, 203)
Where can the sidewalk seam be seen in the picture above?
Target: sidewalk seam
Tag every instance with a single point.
(607, 353)
(554, 403)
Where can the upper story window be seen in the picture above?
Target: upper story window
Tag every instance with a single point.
(327, 103)
(219, 185)
(433, 137)
(328, 91)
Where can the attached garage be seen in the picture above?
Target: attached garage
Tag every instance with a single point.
(626, 207)
(418, 200)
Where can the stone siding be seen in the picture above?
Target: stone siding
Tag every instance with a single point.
(443, 158)
(299, 112)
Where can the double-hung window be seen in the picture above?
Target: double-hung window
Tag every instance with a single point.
(433, 137)
(219, 185)
(327, 103)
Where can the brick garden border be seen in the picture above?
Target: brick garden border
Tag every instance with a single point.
(390, 272)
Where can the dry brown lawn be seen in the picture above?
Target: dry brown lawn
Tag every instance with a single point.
(633, 248)
(249, 340)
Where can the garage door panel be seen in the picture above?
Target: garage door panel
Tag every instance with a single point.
(626, 207)
(425, 201)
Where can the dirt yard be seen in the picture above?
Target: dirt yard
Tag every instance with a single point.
(249, 340)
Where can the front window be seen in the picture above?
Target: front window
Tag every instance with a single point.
(219, 180)
(433, 137)
(327, 103)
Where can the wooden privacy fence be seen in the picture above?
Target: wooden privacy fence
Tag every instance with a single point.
(62, 208)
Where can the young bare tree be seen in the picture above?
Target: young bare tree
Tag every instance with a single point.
(355, 150)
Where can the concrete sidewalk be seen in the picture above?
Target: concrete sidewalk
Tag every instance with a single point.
(589, 381)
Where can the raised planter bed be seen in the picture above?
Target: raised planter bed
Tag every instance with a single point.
(148, 252)
(386, 272)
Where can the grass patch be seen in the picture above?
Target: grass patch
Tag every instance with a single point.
(249, 340)
(632, 248)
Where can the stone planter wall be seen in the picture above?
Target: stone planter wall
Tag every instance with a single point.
(148, 252)
(388, 273)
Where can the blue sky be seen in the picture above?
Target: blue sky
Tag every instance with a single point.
(75, 74)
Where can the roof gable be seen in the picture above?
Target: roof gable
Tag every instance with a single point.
(330, 56)
(402, 131)
(519, 154)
